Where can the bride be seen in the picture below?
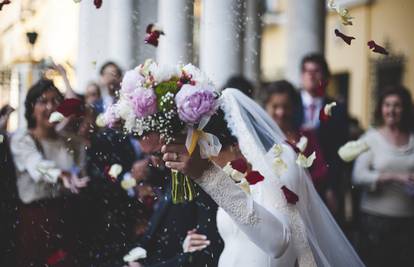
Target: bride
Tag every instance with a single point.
(261, 225)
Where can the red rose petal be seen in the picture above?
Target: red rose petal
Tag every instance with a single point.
(254, 177)
(71, 106)
(97, 3)
(377, 48)
(291, 197)
(323, 117)
(56, 257)
(347, 39)
(5, 2)
(239, 165)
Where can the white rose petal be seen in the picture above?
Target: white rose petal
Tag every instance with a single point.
(237, 176)
(279, 166)
(128, 183)
(304, 161)
(56, 117)
(277, 150)
(135, 254)
(115, 170)
(1, 138)
(228, 169)
(352, 149)
(244, 185)
(328, 108)
(100, 120)
(302, 144)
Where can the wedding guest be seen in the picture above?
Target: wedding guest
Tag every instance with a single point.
(171, 223)
(93, 97)
(386, 173)
(5, 112)
(110, 79)
(282, 103)
(44, 163)
(331, 134)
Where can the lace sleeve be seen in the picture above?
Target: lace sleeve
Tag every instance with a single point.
(269, 231)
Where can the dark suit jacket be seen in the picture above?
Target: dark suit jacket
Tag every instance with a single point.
(168, 228)
(331, 136)
(110, 215)
(9, 202)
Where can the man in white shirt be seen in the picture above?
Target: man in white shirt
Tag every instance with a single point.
(110, 82)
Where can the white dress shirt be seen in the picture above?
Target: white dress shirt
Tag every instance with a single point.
(311, 106)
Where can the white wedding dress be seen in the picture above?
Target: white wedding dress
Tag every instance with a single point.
(261, 229)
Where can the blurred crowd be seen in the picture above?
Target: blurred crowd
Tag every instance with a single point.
(61, 206)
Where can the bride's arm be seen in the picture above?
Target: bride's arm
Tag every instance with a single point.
(269, 231)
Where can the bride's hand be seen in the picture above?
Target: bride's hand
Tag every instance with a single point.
(195, 242)
(176, 157)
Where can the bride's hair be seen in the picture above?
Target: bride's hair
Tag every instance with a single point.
(217, 125)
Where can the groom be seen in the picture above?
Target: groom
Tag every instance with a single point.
(170, 223)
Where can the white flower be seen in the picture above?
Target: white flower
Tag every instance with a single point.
(100, 120)
(196, 74)
(304, 161)
(244, 185)
(279, 166)
(1, 138)
(128, 182)
(302, 144)
(235, 175)
(56, 117)
(328, 108)
(277, 150)
(352, 149)
(115, 170)
(135, 254)
(161, 73)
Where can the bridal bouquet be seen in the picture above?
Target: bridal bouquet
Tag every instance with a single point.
(170, 101)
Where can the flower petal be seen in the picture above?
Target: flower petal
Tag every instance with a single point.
(56, 117)
(352, 149)
(135, 254)
(254, 177)
(115, 171)
(302, 144)
(304, 161)
(291, 197)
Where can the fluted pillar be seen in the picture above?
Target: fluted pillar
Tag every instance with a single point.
(121, 35)
(252, 40)
(221, 39)
(305, 32)
(176, 19)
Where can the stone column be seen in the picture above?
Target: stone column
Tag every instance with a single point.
(305, 32)
(120, 30)
(221, 39)
(93, 42)
(176, 19)
(252, 40)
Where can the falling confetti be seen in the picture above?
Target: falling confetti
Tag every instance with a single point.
(1, 138)
(377, 48)
(326, 112)
(342, 12)
(347, 39)
(153, 34)
(5, 2)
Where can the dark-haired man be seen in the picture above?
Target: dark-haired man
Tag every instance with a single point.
(110, 80)
(331, 134)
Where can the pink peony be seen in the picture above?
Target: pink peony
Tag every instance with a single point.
(144, 102)
(195, 102)
(131, 80)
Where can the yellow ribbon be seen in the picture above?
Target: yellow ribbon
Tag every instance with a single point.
(194, 140)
